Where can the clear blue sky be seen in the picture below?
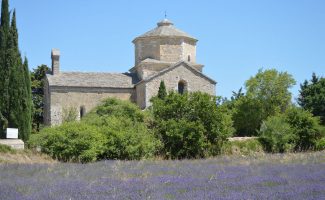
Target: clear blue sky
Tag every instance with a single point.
(236, 38)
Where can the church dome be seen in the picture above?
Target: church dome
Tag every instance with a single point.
(165, 28)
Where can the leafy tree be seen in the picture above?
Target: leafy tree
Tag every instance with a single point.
(190, 124)
(312, 96)
(162, 90)
(238, 94)
(267, 94)
(247, 115)
(271, 88)
(37, 76)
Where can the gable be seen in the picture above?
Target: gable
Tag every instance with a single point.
(184, 64)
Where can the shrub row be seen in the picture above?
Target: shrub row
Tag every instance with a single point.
(294, 130)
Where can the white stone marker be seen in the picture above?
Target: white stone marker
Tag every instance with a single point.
(12, 133)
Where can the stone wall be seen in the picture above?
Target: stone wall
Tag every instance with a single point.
(189, 49)
(63, 98)
(194, 82)
(165, 49)
(141, 95)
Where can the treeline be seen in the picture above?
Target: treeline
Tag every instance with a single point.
(191, 125)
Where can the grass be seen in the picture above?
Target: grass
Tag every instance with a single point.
(245, 147)
(10, 155)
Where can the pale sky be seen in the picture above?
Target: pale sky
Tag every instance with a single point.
(236, 38)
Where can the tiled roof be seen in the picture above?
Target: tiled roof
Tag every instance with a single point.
(93, 79)
(165, 28)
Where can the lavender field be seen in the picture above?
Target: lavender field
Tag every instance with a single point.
(287, 176)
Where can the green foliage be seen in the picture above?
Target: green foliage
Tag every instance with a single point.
(73, 141)
(69, 114)
(162, 92)
(296, 130)
(320, 144)
(247, 115)
(124, 126)
(277, 135)
(270, 87)
(115, 129)
(182, 138)
(244, 147)
(305, 126)
(15, 98)
(190, 125)
(115, 107)
(312, 96)
(128, 139)
(267, 94)
(37, 76)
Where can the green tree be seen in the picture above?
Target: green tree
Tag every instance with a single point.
(15, 86)
(312, 96)
(190, 125)
(162, 90)
(271, 88)
(4, 67)
(267, 94)
(37, 76)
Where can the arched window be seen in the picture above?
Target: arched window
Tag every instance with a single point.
(82, 111)
(189, 58)
(181, 87)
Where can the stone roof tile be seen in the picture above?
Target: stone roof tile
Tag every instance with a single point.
(165, 28)
(92, 79)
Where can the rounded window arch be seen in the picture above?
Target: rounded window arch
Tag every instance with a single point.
(182, 87)
(189, 58)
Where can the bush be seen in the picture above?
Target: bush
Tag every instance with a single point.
(277, 135)
(190, 125)
(247, 115)
(124, 126)
(296, 129)
(320, 144)
(73, 141)
(305, 126)
(128, 140)
(245, 147)
(182, 138)
(115, 129)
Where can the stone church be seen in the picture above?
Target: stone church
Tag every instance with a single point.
(163, 53)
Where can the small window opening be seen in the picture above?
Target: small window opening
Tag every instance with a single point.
(189, 58)
(181, 87)
(82, 111)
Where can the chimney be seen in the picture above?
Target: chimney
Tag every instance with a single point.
(55, 55)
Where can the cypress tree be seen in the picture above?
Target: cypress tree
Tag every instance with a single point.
(28, 96)
(4, 67)
(162, 93)
(16, 86)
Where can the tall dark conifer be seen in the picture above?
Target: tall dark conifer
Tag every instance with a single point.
(4, 67)
(16, 101)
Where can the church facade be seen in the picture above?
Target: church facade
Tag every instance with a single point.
(162, 54)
